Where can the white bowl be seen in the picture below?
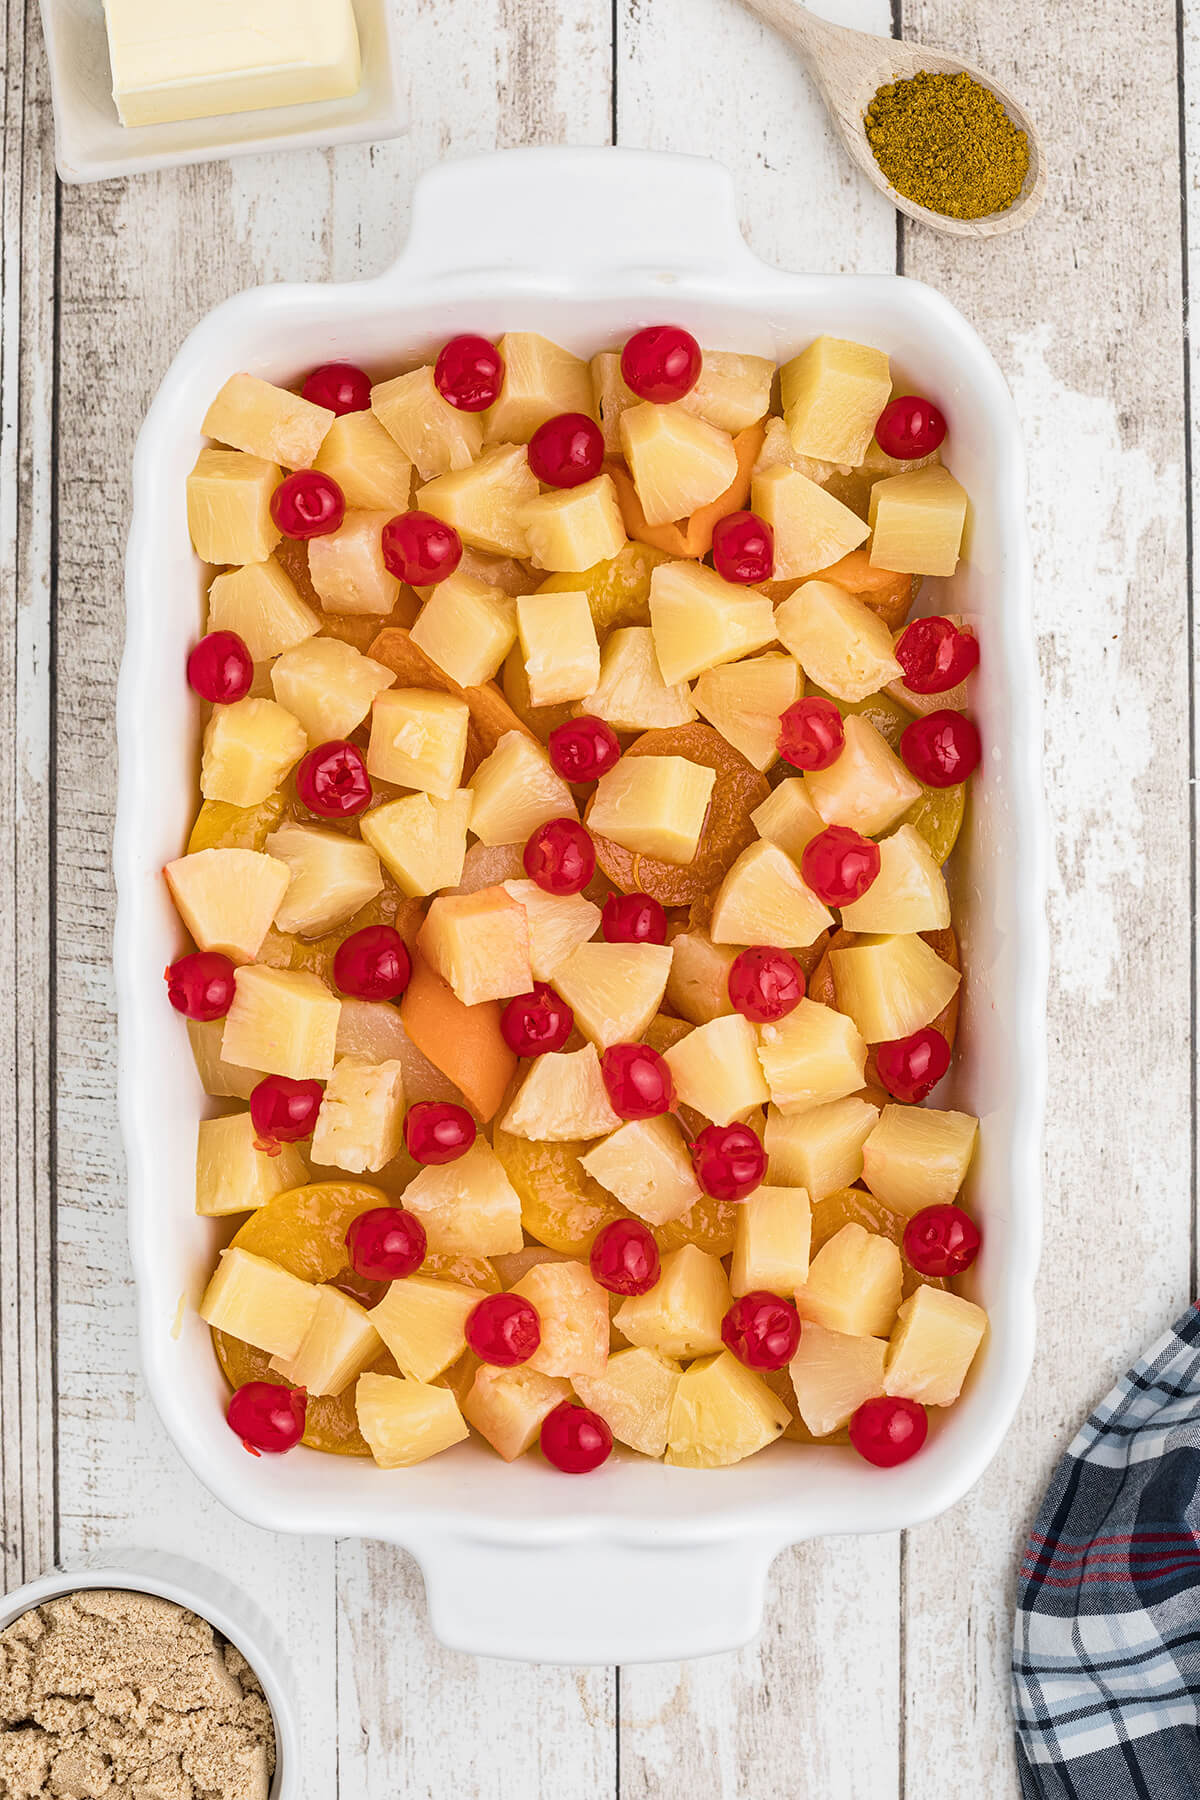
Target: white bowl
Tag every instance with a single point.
(584, 245)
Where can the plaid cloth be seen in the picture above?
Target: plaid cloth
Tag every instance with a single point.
(1106, 1657)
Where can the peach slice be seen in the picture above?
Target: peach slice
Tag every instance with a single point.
(562, 1206)
(464, 1042)
(693, 536)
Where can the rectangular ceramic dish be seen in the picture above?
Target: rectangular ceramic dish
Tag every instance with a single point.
(521, 1562)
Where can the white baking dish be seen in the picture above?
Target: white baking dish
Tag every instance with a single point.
(585, 245)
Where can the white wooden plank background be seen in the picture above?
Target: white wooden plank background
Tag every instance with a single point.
(882, 1671)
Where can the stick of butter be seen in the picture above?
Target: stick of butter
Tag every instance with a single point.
(192, 59)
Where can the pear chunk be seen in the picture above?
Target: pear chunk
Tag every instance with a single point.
(337, 1346)
(634, 1397)
(360, 1126)
(479, 943)
(721, 1414)
(467, 628)
(610, 398)
(332, 878)
(614, 990)
(370, 468)
(917, 519)
(405, 1422)
(559, 647)
(698, 985)
(573, 1310)
(699, 620)
(328, 685)
(508, 1406)
(654, 805)
(892, 986)
(575, 528)
(812, 529)
(558, 924)
(347, 569)
(917, 1156)
(283, 1021)
(631, 694)
(257, 1302)
(249, 748)
(681, 1315)
(484, 503)
(820, 1149)
(647, 1166)
(228, 898)
(422, 1322)
(562, 1100)
(431, 434)
(468, 1207)
(421, 841)
(908, 894)
(813, 1055)
(679, 462)
(229, 507)
(868, 787)
(261, 604)
(541, 380)
(745, 700)
(220, 826)
(774, 1235)
(777, 452)
(833, 1374)
(934, 1344)
(765, 900)
(715, 1069)
(733, 392)
(419, 739)
(233, 1175)
(263, 420)
(854, 1284)
(515, 790)
(833, 394)
(839, 642)
(787, 817)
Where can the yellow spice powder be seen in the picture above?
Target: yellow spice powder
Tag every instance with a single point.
(946, 142)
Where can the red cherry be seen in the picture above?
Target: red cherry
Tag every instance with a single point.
(386, 1244)
(583, 749)
(537, 1023)
(308, 504)
(372, 964)
(765, 984)
(811, 734)
(567, 451)
(839, 865)
(941, 1241)
(341, 387)
(574, 1439)
(935, 655)
(661, 363)
(504, 1330)
(268, 1419)
(743, 547)
(911, 1067)
(201, 986)
(220, 668)
(909, 427)
(624, 1257)
(469, 373)
(729, 1161)
(762, 1330)
(888, 1431)
(438, 1131)
(942, 749)
(283, 1111)
(332, 780)
(633, 919)
(420, 549)
(560, 856)
(638, 1081)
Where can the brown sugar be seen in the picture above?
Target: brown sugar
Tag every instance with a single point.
(122, 1696)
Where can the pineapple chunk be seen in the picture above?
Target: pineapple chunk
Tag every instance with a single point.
(559, 647)
(562, 1100)
(360, 1125)
(919, 1157)
(576, 528)
(917, 519)
(263, 420)
(372, 472)
(722, 1413)
(419, 739)
(224, 1081)
(681, 1315)
(485, 502)
(787, 817)
(634, 1397)
(508, 1406)
(610, 398)
(698, 985)
(259, 1303)
(541, 380)
(715, 1068)
(832, 395)
(699, 620)
(777, 452)
(421, 841)
(347, 569)
(558, 924)
(839, 642)
(854, 1284)
(654, 805)
(405, 1422)
(631, 694)
(909, 892)
(479, 943)
(328, 685)
(573, 1310)
(813, 1055)
(229, 507)
(467, 628)
(868, 787)
(261, 604)
(515, 790)
(812, 529)
(820, 1149)
(833, 1374)
(422, 1321)
(468, 1207)
(733, 392)
(763, 899)
(233, 1175)
(249, 748)
(679, 462)
(220, 826)
(934, 1344)
(432, 434)
(647, 1166)
(228, 898)
(614, 990)
(744, 700)
(892, 986)
(283, 1021)
(337, 1346)
(771, 1248)
(332, 878)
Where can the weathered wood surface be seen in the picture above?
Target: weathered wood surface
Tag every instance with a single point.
(882, 1671)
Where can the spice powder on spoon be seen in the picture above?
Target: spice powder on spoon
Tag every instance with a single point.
(946, 142)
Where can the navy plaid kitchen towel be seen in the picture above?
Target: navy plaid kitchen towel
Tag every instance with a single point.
(1106, 1656)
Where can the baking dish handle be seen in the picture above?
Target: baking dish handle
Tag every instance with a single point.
(595, 1602)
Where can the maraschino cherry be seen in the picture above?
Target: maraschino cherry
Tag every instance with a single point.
(729, 1161)
(638, 1081)
(624, 1257)
(743, 548)
(911, 1067)
(583, 749)
(942, 749)
(504, 1330)
(560, 856)
(340, 387)
(633, 919)
(811, 734)
(888, 1431)
(438, 1131)
(419, 549)
(762, 1330)
(935, 655)
(574, 1439)
(372, 964)
(308, 505)
(268, 1418)
(469, 373)
(386, 1244)
(909, 427)
(941, 1241)
(567, 450)
(839, 865)
(332, 780)
(283, 1111)
(220, 668)
(765, 984)
(661, 363)
(537, 1023)
(201, 986)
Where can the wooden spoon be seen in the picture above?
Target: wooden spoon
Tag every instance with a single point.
(848, 66)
